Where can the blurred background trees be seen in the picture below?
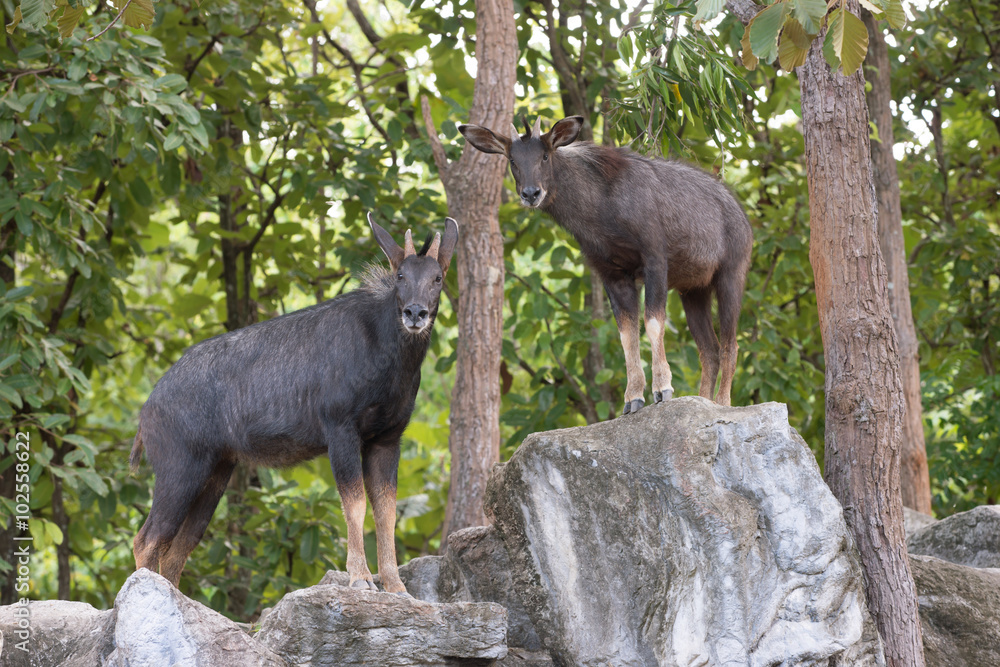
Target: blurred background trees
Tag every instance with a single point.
(160, 187)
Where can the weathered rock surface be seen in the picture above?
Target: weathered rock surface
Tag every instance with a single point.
(969, 538)
(340, 626)
(68, 634)
(959, 612)
(158, 625)
(685, 534)
(475, 568)
(914, 521)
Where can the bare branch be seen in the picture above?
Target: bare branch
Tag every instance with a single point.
(440, 159)
(744, 10)
(114, 21)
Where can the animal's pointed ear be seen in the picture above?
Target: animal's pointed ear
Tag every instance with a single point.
(388, 245)
(564, 132)
(486, 140)
(448, 242)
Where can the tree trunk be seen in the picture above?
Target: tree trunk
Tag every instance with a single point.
(864, 398)
(473, 186)
(915, 483)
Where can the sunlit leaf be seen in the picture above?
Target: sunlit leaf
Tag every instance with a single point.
(69, 19)
(793, 46)
(764, 31)
(708, 9)
(850, 41)
(895, 14)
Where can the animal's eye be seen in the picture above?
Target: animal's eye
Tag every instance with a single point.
(545, 157)
(438, 279)
(399, 276)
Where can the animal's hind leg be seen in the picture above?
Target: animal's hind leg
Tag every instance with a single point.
(178, 484)
(698, 308)
(624, 299)
(380, 464)
(656, 317)
(344, 447)
(729, 291)
(198, 518)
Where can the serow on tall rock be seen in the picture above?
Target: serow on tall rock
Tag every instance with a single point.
(685, 534)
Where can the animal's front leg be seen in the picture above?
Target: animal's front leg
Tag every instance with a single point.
(656, 316)
(344, 447)
(380, 464)
(624, 299)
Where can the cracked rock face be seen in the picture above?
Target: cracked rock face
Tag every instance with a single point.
(685, 534)
(339, 626)
(969, 538)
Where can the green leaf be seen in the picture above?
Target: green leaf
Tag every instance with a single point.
(749, 59)
(794, 45)
(35, 13)
(809, 14)
(171, 83)
(140, 192)
(69, 19)
(850, 41)
(10, 395)
(309, 547)
(139, 14)
(708, 9)
(191, 304)
(764, 31)
(172, 141)
(7, 362)
(604, 376)
(12, 26)
(895, 15)
(94, 481)
(870, 6)
(189, 114)
(829, 51)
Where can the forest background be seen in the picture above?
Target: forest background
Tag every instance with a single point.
(161, 187)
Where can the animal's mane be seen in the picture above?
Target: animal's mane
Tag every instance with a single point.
(609, 161)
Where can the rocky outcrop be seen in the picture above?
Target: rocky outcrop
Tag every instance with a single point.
(55, 632)
(337, 626)
(914, 521)
(685, 534)
(969, 538)
(158, 625)
(959, 612)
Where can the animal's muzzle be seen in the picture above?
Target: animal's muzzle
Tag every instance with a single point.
(530, 195)
(415, 317)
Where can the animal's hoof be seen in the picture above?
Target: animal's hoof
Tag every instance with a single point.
(633, 405)
(665, 395)
(364, 585)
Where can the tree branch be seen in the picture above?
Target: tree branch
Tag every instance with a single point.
(744, 10)
(440, 159)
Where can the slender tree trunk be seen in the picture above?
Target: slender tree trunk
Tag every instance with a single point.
(915, 483)
(864, 397)
(473, 186)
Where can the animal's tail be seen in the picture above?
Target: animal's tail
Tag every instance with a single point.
(135, 458)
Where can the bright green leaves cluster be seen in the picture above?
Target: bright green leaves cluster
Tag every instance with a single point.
(36, 14)
(787, 28)
(678, 83)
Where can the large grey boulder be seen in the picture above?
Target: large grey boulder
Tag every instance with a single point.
(158, 625)
(969, 538)
(67, 634)
(684, 534)
(333, 625)
(959, 613)
(914, 521)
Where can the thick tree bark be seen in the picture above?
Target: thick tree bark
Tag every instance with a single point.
(473, 187)
(864, 397)
(915, 484)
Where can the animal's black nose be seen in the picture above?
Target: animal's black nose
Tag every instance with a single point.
(415, 313)
(530, 194)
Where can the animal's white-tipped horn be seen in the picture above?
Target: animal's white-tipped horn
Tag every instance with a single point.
(514, 134)
(432, 252)
(536, 131)
(408, 248)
